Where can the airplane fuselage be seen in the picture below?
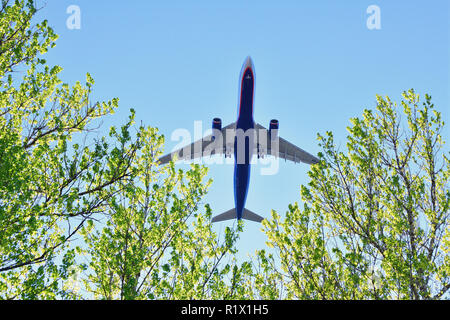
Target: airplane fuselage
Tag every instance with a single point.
(244, 122)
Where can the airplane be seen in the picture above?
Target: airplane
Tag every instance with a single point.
(227, 140)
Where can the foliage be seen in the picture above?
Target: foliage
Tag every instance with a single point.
(56, 183)
(157, 243)
(375, 222)
(49, 185)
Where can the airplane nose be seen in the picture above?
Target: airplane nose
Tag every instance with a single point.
(248, 62)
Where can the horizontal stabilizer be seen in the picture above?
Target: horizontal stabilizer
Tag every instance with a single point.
(249, 215)
(227, 215)
(231, 214)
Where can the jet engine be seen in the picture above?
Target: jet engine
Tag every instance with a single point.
(216, 125)
(273, 129)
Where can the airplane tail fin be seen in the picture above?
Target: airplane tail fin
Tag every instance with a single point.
(231, 214)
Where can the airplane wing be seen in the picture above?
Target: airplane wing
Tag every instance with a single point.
(205, 147)
(286, 150)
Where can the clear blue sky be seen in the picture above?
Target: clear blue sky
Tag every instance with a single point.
(317, 65)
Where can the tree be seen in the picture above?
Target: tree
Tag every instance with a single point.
(157, 242)
(57, 182)
(375, 220)
(53, 176)
(374, 223)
